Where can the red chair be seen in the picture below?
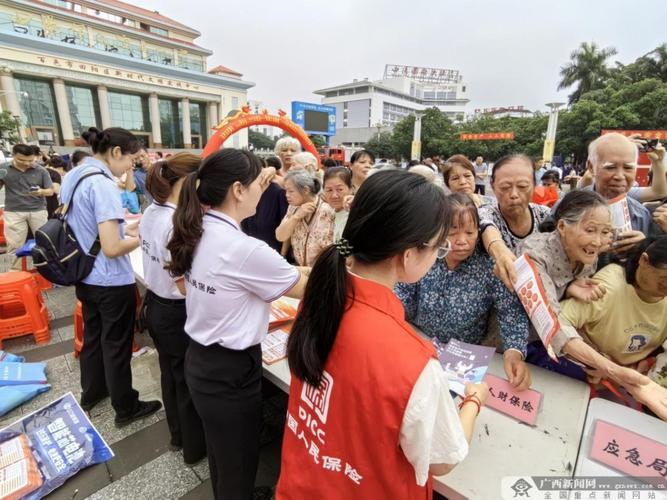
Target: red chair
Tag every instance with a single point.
(22, 308)
(78, 327)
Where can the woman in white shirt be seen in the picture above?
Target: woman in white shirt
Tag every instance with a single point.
(164, 305)
(230, 281)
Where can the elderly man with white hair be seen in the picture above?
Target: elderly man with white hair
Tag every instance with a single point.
(612, 158)
(286, 148)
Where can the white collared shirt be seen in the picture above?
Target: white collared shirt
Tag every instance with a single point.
(232, 282)
(154, 231)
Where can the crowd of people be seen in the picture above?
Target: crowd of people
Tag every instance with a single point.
(369, 251)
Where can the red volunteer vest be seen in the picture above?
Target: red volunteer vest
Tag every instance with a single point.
(342, 441)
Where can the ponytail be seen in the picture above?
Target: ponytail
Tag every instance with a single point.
(321, 311)
(162, 176)
(188, 228)
(392, 212)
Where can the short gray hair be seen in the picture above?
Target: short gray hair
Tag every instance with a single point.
(305, 160)
(304, 182)
(285, 143)
(594, 147)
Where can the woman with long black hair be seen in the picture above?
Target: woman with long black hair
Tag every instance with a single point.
(230, 281)
(369, 413)
(164, 305)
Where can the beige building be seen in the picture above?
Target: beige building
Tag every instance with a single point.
(69, 65)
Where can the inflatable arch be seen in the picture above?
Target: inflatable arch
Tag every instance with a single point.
(244, 119)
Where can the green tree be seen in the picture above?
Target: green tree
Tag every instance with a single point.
(381, 145)
(587, 69)
(318, 140)
(8, 128)
(260, 141)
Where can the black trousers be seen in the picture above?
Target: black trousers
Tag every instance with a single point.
(226, 388)
(108, 328)
(165, 320)
(480, 189)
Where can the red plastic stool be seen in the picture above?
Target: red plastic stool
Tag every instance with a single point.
(78, 327)
(22, 308)
(24, 252)
(3, 241)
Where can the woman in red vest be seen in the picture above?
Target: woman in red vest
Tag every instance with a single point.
(370, 414)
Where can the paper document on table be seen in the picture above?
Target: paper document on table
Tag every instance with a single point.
(274, 346)
(281, 312)
(530, 290)
(620, 214)
(463, 363)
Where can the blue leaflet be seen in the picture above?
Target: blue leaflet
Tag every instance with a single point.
(13, 395)
(12, 373)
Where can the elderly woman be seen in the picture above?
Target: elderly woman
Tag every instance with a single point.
(309, 222)
(580, 231)
(459, 176)
(286, 148)
(361, 164)
(337, 186)
(454, 300)
(305, 161)
(505, 225)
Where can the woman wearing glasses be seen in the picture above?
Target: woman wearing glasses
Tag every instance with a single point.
(350, 336)
(454, 300)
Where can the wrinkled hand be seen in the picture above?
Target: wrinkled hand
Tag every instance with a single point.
(653, 396)
(504, 265)
(480, 390)
(627, 240)
(132, 230)
(266, 176)
(305, 210)
(585, 290)
(347, 202)
(516, 370)
(660, 217)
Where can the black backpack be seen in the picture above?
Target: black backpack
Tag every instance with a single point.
(57, 255)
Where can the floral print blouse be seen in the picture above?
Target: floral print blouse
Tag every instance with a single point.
(313, 234)
(456, 304)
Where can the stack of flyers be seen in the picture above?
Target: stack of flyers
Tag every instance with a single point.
(281, 313)
(463, 363)
(274, 346)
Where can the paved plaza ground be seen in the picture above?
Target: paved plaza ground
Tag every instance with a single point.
(143, 466)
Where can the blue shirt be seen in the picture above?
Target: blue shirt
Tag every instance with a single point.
(96, 200)
(456, 304)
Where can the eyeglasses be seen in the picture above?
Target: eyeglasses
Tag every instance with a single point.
(442, 251)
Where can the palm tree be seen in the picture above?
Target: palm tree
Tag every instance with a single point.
(587, 69)
(655, 63)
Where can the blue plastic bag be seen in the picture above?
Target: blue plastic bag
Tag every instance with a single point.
(62, 440)
(22, 373)
(130, 201)
(8, 356)
(13, 395)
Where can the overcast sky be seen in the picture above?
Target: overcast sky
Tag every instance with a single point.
(509, 52)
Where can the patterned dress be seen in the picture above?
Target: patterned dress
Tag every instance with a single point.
(313, 234)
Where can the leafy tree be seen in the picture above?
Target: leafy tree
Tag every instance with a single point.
(260, 141)
(318, 140)
(587, 69)
(8, 130)
(381, 145)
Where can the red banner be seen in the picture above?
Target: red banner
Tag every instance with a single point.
(646, 134)
(488, 136)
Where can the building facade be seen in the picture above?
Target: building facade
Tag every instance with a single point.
(501, 112)
(69, 65)
(364, 108)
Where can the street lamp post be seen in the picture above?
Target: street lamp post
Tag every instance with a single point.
(416, 151)
(550, 139)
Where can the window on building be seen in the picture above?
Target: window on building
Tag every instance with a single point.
(190, 61)
(117, 44)
(15, 22)
(170, 123)
(37, 101)
(160, 55)
(158, 31)
(83, 108)
(198, 121)
(129, 111)
(235, 102)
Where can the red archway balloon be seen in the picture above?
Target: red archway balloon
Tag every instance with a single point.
(243, 119)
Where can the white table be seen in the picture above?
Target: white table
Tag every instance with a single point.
(138, 265)
(621, 416)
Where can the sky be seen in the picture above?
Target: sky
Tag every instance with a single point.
(509, 52)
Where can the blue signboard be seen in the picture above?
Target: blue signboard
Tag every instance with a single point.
(315, 119)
